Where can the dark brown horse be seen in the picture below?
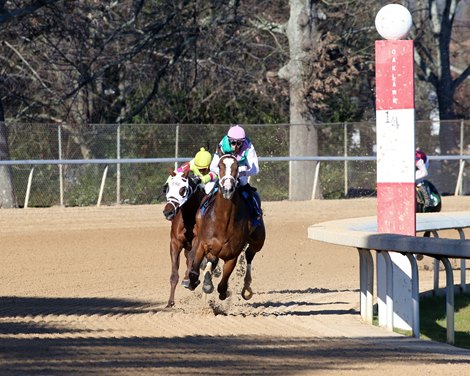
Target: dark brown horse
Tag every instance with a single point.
(183, 198)
(223, 229)
(436, 200)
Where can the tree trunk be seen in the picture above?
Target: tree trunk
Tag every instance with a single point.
(7, 194)
(301, 30)
(437, 69)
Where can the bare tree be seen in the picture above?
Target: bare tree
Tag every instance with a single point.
(301, 33)
(436, 31)
(95, 63)
(7, 193)
(10, 11)
(320, 63)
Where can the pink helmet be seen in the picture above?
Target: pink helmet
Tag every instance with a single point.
(419, 154)
(236, 133)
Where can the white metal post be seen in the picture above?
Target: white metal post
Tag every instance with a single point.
(28, 188)
(103, 180)
(118, 166)
(463, 279)
(315, 180)
(346, 186)
(449, 301)
(414, 294)
(61, 177)
(177, 133)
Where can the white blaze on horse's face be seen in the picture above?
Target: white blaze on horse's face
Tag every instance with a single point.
(178, 190)
(228, 182)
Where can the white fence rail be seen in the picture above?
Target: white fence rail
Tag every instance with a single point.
(135, 161)
(346, 159)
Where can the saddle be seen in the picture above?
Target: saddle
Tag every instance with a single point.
(208, 200)
(247, 192)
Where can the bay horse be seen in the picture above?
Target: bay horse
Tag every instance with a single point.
(183, 198)
(223, 229)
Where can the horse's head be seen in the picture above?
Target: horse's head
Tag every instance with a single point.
(228, 175)
(178, 192)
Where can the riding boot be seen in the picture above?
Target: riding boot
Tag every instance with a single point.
(425, 194)
(249, 193)
(256, 204)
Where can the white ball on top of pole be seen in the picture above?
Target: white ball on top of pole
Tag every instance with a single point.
(393, 22)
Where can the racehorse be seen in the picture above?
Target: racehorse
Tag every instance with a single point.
(183, 198)
(223, 229)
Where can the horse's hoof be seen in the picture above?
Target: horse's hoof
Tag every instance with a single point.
(247, 293)
(224, 295)
(207, 286)
(203, 264)
(192, 286)
(217, 272)
(193, 280)
(170, 304)
(185, 283)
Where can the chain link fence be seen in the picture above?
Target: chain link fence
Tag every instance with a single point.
(141, 183)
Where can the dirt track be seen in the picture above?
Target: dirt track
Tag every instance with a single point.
(83, 291)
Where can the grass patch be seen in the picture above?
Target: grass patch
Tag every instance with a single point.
(432, 318)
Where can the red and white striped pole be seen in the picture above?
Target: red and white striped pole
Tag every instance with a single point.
(396, 210)
(395, 119)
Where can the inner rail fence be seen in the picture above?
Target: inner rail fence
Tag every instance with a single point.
(128, 163)
(361, 233)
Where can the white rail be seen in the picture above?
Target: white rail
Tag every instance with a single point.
(361, 233)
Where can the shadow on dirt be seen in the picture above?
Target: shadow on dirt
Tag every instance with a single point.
(96, 353)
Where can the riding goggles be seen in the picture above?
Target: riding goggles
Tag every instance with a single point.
(236, 142)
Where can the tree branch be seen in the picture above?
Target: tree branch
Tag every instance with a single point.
(6, 16)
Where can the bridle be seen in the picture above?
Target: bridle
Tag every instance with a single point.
(173, 196)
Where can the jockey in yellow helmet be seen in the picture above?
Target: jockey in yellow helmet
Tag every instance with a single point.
(199, 166)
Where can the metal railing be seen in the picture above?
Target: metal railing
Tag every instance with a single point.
(131, 161)
(361, 233)
(138, 157)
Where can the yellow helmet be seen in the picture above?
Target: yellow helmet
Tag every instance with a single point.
(202, 159)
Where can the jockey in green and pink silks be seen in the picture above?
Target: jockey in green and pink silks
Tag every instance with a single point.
(236, 143)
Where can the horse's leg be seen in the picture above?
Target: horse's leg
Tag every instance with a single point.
(175, 252)
(185, 281)
(210, 263)
(197, 254)
(207, 285)
(256, 243)
(226, 272)
(247, 292)
(189, 262)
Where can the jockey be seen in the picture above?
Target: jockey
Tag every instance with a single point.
(422, 165)
(236, 143)
(199, 166)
